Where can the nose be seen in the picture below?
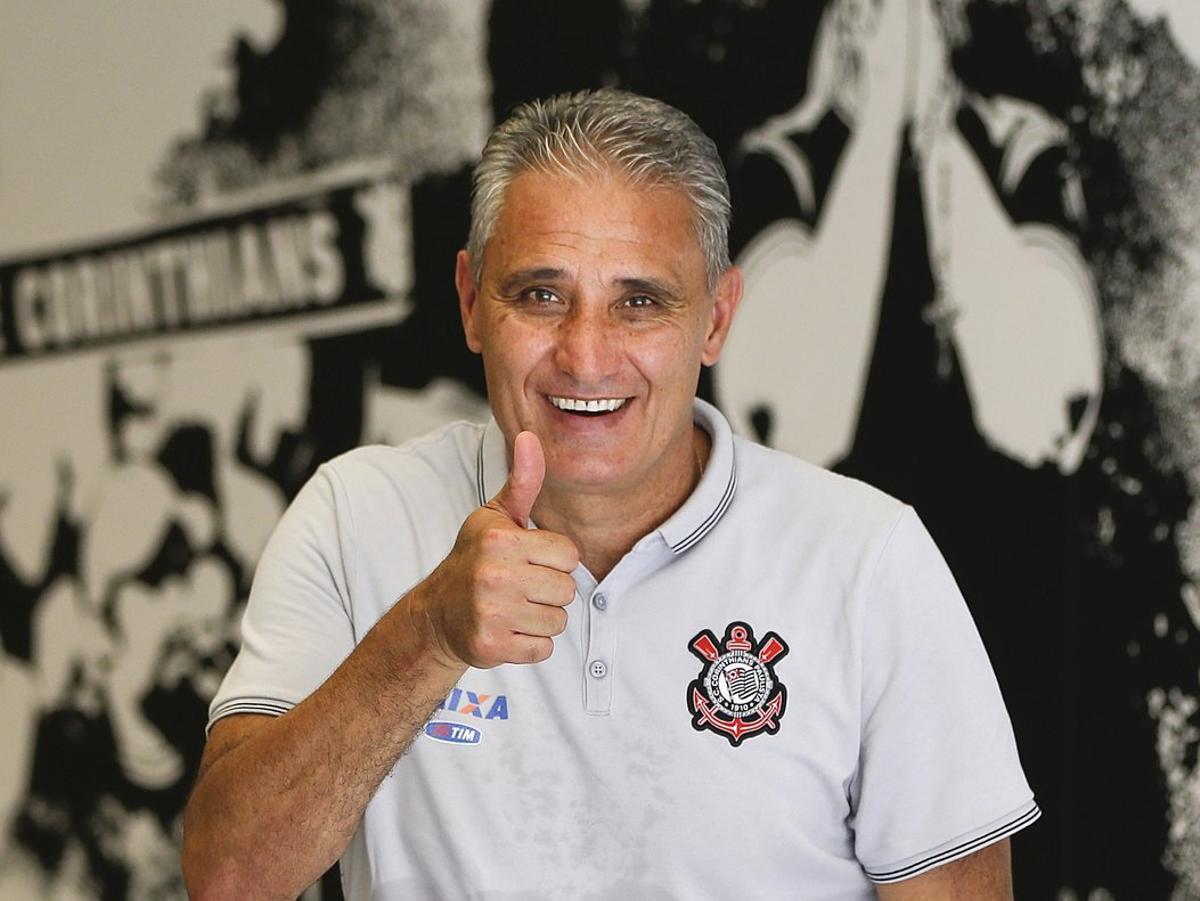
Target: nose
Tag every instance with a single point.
(588, 347)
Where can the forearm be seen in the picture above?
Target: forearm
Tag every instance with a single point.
(858, 210)
(985, 875)
(278, 800)
(273, 812)
(856, 225)
(959, 198)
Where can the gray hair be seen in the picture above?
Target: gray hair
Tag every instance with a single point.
(591, 133)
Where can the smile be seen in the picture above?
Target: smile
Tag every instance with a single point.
(590, 405)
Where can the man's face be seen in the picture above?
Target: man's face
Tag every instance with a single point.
(595, 293)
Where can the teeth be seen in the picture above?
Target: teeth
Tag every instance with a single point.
(580, 405)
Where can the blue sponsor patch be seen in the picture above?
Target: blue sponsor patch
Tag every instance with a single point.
(468, 703)
(454, 733)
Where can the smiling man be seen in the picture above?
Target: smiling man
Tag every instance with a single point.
(624, 653)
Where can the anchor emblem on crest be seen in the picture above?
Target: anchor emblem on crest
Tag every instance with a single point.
(737, 693)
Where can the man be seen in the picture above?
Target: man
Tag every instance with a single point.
(709, 669)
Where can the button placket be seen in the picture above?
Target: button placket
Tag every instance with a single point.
(597, 677)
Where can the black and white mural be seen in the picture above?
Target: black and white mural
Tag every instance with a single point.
(971, 237)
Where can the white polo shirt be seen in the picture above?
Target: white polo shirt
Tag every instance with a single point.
(779, 693)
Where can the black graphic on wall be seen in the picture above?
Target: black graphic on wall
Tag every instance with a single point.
(966, 227)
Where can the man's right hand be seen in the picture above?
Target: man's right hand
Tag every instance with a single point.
(498, 597)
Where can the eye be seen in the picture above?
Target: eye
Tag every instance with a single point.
(541, 296)
(641, 302)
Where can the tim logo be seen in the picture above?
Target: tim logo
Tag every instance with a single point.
(483, 707)
(453, 733)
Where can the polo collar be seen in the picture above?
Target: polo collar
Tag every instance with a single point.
(491, 464)
(712, 496)
(686, 526)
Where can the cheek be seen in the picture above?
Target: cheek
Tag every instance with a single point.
(511, 351)
(669, 362)
(505, 361)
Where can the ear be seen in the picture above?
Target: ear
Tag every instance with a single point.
(726, 299)
(468, 295)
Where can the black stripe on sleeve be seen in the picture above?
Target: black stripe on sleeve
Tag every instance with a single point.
(247, 705)
(1016, 824)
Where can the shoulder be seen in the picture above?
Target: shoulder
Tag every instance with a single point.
(809, 521)
(428, 472)
(448, 452)
(783, 488)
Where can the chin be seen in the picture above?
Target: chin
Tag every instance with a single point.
(590, 476)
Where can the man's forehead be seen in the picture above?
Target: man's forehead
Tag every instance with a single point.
(549, 223)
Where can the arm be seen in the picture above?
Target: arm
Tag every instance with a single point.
(824, 289)
(278, 799)
(1024, 317)
(985, 875)
(1018, 299)
(939, 773)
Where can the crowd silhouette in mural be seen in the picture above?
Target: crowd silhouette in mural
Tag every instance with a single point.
(971, 377)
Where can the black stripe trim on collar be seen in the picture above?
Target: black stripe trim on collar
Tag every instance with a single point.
(705, 527)
(479, 468)
(961, 850)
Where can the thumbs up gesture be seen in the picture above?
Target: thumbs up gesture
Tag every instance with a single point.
(498, 597)
(516, 499)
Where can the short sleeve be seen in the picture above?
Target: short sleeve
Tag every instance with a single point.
(297, 627)
(939, 776)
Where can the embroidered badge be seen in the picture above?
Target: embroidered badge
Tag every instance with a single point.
(737, 693)
(453, 733)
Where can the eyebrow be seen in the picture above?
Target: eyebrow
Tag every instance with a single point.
(522, 277)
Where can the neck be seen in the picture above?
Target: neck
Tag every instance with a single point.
(606, 527)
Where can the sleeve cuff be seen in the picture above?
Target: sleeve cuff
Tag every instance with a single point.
(958, 847)
(268, 706)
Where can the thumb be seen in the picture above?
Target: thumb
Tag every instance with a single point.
(524, 483)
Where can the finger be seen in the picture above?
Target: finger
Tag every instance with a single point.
(525, 479)
(550, 549)
(539, 620)
(543, 585)
(529, 649)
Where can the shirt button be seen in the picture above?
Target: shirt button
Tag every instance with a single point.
(600, 602)
(598, 669)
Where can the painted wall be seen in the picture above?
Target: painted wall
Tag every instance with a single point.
(968, 231)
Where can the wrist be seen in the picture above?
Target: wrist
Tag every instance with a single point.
(424, 629)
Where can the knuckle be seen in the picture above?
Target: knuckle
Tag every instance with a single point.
(484, 612)
(486, 647)
(488, 576)
(495, 539)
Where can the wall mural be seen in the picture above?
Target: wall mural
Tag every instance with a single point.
(969, 235)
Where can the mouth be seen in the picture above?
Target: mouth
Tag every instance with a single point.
(587, 406)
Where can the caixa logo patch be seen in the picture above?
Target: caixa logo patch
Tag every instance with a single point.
(453, 733)
(468, 703)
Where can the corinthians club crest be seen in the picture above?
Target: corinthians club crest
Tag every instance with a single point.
(737, 693)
